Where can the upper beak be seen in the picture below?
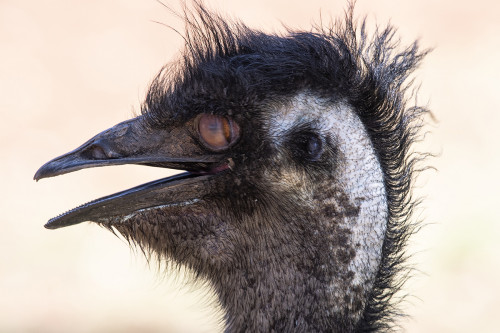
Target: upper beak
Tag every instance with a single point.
(131, 142)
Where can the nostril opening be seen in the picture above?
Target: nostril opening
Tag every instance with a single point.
(100, 150)
(98, 153)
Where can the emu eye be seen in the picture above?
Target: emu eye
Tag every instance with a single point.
(217, 132)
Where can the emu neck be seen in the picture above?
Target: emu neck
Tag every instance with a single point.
(273, 297)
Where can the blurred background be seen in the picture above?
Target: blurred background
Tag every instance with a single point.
(69, 69)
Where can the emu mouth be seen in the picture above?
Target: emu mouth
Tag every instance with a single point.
(130, 143)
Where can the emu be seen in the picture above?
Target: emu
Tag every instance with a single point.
(295, 203)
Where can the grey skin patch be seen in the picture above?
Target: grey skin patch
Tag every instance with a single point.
(351, 207)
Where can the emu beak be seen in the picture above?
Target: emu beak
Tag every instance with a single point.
(130, 142)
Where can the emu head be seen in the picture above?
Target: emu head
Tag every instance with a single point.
(295, 200)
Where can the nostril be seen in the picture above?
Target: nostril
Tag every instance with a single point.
(98, 153)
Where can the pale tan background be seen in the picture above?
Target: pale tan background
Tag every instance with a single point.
(69, 69)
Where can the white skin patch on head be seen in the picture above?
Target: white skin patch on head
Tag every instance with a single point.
(358, 173)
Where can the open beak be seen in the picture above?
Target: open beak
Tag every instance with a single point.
(130, 142)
